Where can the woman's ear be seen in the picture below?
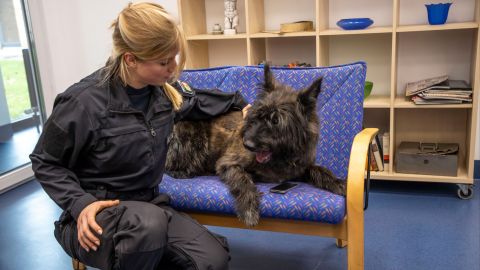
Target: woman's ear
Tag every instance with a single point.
(130, 60)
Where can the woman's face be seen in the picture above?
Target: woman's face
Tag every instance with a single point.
(152, 72)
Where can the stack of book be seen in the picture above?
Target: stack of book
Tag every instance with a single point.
(439, 90)
(379, 153)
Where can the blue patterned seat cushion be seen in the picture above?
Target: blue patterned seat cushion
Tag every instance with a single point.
(209, 194)
(340, 110)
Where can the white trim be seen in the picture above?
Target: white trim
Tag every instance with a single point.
(15, 178)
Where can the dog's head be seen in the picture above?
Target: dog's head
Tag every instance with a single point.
(282, 123)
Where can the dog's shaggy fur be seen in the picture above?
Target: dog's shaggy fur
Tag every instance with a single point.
(274, 143)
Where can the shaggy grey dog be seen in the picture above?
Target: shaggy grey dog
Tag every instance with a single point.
(274, 143)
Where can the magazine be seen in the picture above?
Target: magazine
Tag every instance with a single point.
(452, 85)
(414, 88)
(439, 90)
(421, 101)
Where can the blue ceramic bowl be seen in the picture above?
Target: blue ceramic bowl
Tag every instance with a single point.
(354, 23)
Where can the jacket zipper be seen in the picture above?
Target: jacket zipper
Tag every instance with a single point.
(152, 130)
(148, 123)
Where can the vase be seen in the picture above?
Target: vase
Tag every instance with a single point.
(438, 13)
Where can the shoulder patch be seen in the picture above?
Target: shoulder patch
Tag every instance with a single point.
(185, 87)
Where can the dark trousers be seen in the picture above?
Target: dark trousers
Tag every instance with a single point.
(142, 235)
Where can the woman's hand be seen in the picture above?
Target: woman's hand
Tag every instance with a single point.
(245, 110)
(86, 223)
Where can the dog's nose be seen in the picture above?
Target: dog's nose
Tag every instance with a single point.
(249, 145)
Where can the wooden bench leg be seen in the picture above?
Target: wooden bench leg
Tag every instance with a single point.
(77, 265)
(341, 243)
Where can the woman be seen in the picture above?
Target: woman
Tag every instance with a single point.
(102, 153)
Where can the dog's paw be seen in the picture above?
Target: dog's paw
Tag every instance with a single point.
(250, 217)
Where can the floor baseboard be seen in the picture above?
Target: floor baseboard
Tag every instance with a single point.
(15, 178)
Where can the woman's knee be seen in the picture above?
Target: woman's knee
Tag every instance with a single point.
(142, 227)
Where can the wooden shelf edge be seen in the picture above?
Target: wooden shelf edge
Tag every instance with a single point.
(401, 103)
(427, 27)
(275, 34)
(371, 30)
(461, 178)
(217, 37)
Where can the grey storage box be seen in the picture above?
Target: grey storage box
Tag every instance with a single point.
(427, 158)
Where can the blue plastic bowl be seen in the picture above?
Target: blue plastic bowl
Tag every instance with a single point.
(354, 23)
(438, 13)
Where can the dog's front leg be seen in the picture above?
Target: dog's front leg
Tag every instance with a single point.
(323, 178)
(241, 186)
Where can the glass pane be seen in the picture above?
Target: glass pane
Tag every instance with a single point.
(19, 113)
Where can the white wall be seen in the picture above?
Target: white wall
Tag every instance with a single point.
(73, 39)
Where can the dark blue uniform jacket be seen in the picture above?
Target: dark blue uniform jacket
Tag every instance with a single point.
(94, 137)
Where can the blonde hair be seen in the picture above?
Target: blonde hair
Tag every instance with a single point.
(149, 32)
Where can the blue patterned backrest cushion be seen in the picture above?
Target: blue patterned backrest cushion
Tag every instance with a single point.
(339, 107)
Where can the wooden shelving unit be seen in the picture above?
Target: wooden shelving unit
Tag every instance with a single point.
(389, 62)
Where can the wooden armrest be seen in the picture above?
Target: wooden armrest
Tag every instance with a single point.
(356, 169)
(355, 186)
(355, 191)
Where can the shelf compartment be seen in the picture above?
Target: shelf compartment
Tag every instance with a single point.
(379, 11)
(370, 30)
(427, 27)
(403, 102)
(199, 16)
(220, 52)
(377, 118)
(374, 101)
(277, 12)
(212, 53)
(435, 126)
(281, 51)
(374, 49)
(414, 12)
(424, 55)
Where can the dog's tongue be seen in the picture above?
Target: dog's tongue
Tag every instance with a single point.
(263, 156)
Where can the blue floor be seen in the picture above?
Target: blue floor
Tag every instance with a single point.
(14, 152)
(407, 226)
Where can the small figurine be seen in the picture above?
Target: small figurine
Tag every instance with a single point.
(217, 29)
(231, 17)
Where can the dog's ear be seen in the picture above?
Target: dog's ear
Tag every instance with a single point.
(308, 97)
(269, 84)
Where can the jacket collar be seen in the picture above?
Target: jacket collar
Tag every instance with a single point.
(118, 100)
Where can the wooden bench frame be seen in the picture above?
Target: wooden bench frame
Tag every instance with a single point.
(349, 233)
